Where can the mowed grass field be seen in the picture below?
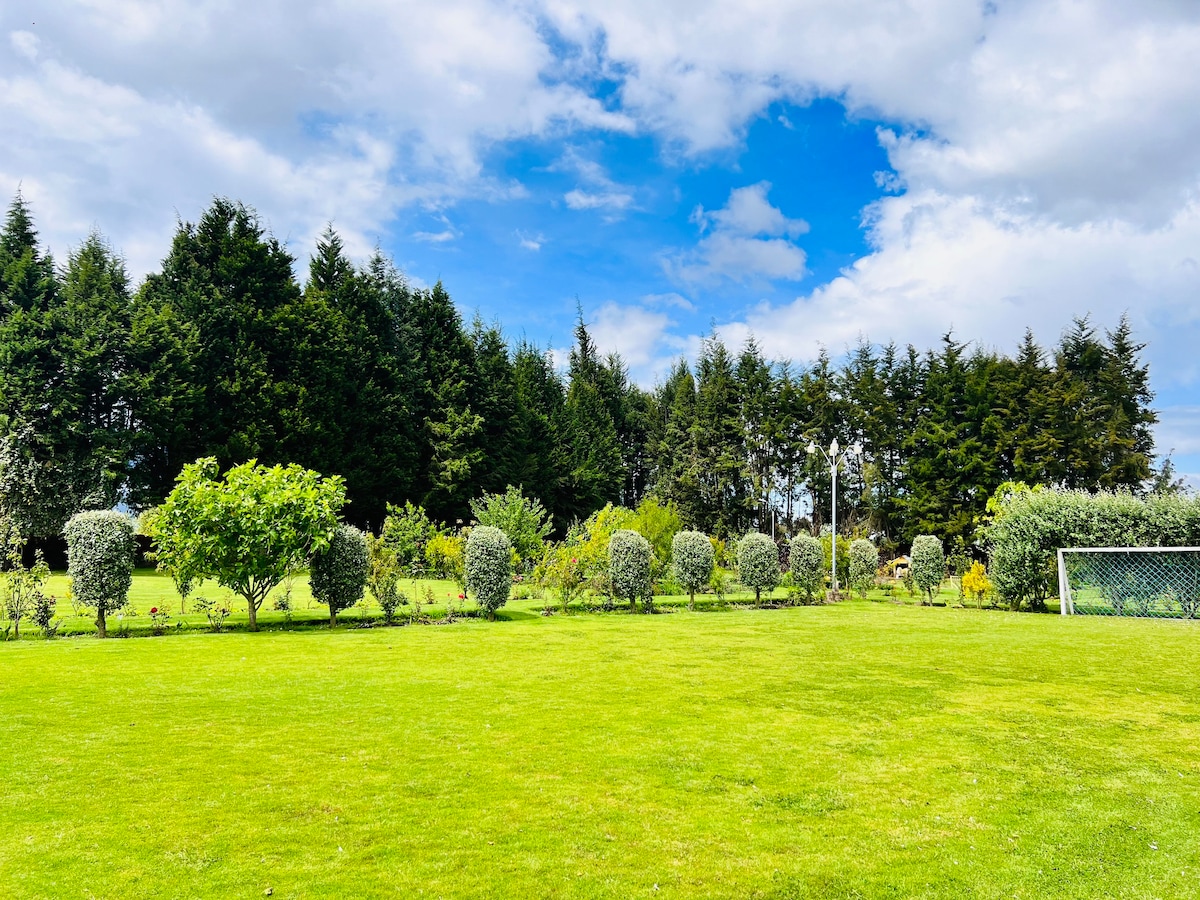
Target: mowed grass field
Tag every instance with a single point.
(862, 749)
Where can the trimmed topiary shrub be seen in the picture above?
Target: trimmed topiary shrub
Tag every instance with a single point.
(339, 572)
(629, 556)
(692, 560)
(864, 563)
(100, 551)
(928, 564)
(807, 565)
(487, 565)
(758, 563)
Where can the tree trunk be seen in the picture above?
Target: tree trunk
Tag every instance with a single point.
(101, 625)
(692, 600)
(252, 608)
(333, 617)
(758, 597)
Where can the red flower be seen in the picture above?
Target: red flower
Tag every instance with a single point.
(154, 610)
(461, 597)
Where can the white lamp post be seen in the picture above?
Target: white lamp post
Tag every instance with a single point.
(835, 457)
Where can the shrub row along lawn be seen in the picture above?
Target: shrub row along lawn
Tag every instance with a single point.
(153, 590)
(855, 750)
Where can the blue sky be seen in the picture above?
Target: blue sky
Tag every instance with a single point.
(806, 171)
(526, 261)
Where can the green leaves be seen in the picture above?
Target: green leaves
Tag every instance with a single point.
(524, 521)
(488, 568)
(248, 529)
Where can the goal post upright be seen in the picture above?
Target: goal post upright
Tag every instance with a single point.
(1064, 587)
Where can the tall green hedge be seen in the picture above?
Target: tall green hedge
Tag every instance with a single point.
(1030, 526)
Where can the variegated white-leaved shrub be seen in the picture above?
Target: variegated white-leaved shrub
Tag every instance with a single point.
(864, 563)
(758, 563)
(692, 558)
(629, 556)
(807, 563)
(488, 568)
(928, 564)
(100, 549)
(339, 572)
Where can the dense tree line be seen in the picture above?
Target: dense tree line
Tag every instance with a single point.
(107, 391)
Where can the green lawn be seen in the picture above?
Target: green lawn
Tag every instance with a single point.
(863, 749)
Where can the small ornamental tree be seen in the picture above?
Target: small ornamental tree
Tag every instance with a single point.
(524, 521)
(407, 530)
(864, 563)
(248, 529)
(339, 573)
(629, 556)
(693, 559)
(928, 564)
(807, 564)
(184, 580)
(487, 563)
(383, 577)
(758, 563)
(100, 551)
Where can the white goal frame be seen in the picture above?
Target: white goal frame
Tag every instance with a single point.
(1066, 602)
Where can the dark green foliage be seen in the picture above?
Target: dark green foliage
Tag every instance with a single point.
(106, 396)
(340, 571)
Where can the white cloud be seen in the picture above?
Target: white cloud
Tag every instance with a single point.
(610, 200)
(531, 243)
(957, 262)
(1049, 152)
(118, 113)
(600, 191)
(747, 239)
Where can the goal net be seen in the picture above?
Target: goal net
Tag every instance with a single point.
(1158, 582)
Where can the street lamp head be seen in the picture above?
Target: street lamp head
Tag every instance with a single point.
(834, 447)
(812, 448)
(857, 449)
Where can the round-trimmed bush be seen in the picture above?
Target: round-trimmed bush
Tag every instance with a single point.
(807, 564)
(928, 564)
(864, 563)
(758, 563)
(692, 559)
(339, 572)
(629, 556)
(100, 550)
(488, 568)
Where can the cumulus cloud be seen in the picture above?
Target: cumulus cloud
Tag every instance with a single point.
(1046, 155)
(118, 113)
(944, 262)
(746, 239)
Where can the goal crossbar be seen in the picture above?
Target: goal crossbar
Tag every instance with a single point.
(1065, 594)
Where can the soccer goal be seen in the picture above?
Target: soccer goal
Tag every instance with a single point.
(1157, 582)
